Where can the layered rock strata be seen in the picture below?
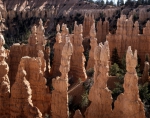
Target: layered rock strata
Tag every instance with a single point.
(59, 104)
(35, 68)
(127, 34)
(77, 69)
(21, 105)
(102, 30)
(100, 95)
(36, 42)
(87, 23)
(58, 46)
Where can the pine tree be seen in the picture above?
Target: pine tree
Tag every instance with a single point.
(115, 57)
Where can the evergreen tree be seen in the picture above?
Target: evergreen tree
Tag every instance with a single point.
(114, 69)
(115, 57)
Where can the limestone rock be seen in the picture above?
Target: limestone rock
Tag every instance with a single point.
(2, 26)
(102, 30)
(128, 104)
(145, 75)
(77, 69)
(58, 46)
(59, 104)
(40, 33)
(100, 95)
(64, 33)
(31, 49)
(47, 58)
(21, 94)
(127, 34)
(87, 23)
(4, 82)
(35, 75)
(93, 43)
(78, 114)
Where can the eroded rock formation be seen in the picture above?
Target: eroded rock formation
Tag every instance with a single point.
(78, 114)
(58, 46)
(128, 104)
(35, 68)
(93, 44)
(100, 95)
(127, 34)
(145, 76)
(21, 105)
(36, 42)
(88, 22)
(59, 104)
(4, 81)
(102, 30)
(77, 69)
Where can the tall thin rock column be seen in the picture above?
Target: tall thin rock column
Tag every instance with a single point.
(41, 42)
(59, 104)
(87, 23)
(77, 69)
(58, 46)
(102, 30)
(21, 105)
(128, 104)
(4, 82)
(93, 43)
(100, 95)
(145, 76)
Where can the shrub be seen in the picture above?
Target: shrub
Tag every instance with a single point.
(90, 72)
(85, 100)
(114, 69)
